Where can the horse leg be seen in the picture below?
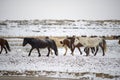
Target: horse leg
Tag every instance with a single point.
(65, 50)
(96, 50)
(1, 49)
(30, 51)
(102, 49)
(87, 52)
(38, 52)
(93, 49)
(72, 50)
(48, 52)
(79, 50)
(5, 49)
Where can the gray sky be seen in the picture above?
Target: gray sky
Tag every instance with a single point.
(59, 9)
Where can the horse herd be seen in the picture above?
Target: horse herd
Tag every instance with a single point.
(89, 43)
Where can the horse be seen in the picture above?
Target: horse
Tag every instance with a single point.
(119, 41)
(68, 42)
(41, 43)
(94, 42)
(4, 44)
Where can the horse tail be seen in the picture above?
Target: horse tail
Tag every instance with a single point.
(55, 46)
(119, 42)
(61, 42)
(7, 45)
(104, 45)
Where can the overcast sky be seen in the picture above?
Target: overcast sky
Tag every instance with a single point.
(59, 9)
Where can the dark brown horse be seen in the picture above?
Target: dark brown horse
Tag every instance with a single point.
(4, 44)
(39, 43)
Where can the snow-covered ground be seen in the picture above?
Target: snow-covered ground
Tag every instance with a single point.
(77, 28)
(78, 66)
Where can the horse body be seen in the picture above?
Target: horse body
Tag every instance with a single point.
(91, 43)
(38, 43)
(68, 42)
(4, 44)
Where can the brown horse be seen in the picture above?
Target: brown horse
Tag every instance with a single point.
(4, 44)
(68, 42)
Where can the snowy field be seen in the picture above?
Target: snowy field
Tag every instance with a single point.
(77, 28)
(78, 66)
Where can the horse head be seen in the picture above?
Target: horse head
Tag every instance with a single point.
(25, 41)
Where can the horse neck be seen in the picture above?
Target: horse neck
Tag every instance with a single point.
(30, 42)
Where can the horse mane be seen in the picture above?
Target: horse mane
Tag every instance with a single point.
(28, 38)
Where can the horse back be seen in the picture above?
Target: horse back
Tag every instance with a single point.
(91, 42)
(42, 43)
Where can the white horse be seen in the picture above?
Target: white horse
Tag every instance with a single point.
(89, 42)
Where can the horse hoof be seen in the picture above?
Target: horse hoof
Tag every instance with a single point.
(72, 54)
(56, 55)
(39, 55)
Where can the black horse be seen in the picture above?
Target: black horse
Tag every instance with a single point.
(4, 44)
(39, 43)
(119, 41)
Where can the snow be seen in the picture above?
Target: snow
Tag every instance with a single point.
(76, 28)
(77, 66)
(18, 60)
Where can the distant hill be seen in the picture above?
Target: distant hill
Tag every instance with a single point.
(59, 22)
